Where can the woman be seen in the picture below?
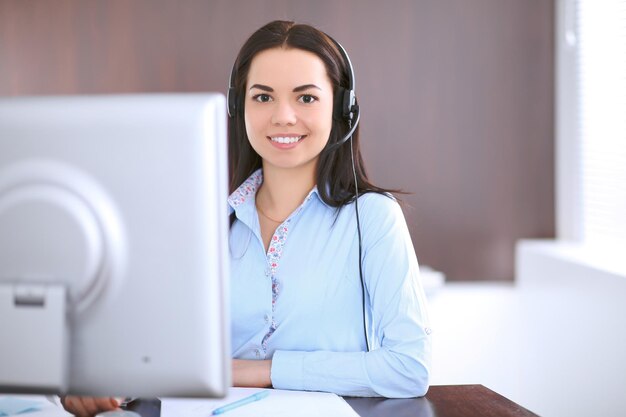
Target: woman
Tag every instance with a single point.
(323, 299)
(297, 312)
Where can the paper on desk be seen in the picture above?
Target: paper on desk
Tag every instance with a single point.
(30, 406)
(278, 403)
(16, 405)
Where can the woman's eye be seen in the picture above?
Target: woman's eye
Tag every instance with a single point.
(307, 99)
(262, 98)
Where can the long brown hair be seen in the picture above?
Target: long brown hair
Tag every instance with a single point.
(334, 177)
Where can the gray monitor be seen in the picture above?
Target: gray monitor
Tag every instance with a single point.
(113, 245)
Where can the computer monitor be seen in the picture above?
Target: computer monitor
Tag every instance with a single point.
(113, 245)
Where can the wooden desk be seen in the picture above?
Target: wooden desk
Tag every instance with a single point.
(442, 401)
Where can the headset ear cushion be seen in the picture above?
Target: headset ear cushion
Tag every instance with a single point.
(343, 105)
(349, 100)
(232, 100)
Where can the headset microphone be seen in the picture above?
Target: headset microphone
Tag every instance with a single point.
(348, 135)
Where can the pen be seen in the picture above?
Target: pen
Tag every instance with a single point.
(254, 397)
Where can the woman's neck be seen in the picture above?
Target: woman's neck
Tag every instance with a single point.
(283, 190)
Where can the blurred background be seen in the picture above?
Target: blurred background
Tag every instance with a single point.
(504, 119)
(456, 96)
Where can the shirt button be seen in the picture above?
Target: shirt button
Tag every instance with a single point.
(428, 330)
(257, 353)
(266, 318)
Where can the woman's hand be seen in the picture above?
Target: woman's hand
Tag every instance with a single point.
(250, 373)
(88, 406)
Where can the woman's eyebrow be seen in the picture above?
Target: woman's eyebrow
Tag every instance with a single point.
(262, 87)
(295, 90)
(305, 87)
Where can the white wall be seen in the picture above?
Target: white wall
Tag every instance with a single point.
(574, 360)
(475, 337)
(555, 342)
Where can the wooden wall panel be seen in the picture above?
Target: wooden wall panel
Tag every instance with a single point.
(456, 95)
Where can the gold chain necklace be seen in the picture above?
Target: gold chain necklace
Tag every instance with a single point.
(266, 216)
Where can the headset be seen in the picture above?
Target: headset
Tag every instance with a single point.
(345, 108)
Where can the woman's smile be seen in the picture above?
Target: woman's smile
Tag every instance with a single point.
(286, 141)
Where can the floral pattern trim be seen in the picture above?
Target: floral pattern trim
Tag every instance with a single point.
(274, 253)
(247, 189)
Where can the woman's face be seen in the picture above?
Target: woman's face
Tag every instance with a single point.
(289, 106)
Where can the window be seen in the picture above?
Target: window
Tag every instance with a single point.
(591, 122)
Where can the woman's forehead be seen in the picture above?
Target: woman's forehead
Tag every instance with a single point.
(287, 67)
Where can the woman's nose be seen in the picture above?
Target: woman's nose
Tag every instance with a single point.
(284, 114)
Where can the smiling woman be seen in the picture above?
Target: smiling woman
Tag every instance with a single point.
(318, 303)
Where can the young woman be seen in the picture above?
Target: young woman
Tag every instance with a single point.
(297, 305)
(322, 299)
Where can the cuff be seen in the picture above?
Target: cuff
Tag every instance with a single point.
(287, 370)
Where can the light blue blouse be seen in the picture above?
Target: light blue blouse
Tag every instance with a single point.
(299, 304)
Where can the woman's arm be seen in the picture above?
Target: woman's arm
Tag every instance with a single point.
(251, 373)
(398, 364)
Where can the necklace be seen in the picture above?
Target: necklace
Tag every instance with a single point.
(266, 216)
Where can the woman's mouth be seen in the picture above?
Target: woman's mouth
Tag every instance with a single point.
(286, 140)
